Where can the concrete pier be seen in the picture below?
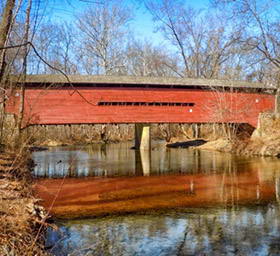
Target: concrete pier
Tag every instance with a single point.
(142, 136)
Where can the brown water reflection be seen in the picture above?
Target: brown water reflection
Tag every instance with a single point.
(232, 183)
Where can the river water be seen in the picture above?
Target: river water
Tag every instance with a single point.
(111, 200)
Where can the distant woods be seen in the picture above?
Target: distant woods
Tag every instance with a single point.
(233, 39)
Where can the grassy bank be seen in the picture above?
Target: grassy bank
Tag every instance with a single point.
(22, 221)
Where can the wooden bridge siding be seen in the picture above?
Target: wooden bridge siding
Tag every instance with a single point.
(66, 106)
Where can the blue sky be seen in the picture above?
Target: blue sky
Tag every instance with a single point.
(142, 24)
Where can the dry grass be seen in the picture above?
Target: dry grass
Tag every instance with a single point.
(20, 215)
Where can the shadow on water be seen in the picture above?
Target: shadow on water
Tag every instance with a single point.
(181, 202)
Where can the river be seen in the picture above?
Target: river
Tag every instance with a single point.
(111, 200)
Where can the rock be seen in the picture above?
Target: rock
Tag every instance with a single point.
(186, 144)
(52, 143)
(36, 149)
(256, 134)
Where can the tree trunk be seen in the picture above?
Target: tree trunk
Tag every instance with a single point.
(26, 49)
(4, 31)
(5, 27)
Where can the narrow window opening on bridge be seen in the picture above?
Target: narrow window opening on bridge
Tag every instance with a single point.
(170, 104)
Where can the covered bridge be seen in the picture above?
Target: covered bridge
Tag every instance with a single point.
(76, 99)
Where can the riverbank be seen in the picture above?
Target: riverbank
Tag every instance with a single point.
(264, 141)
(22, 220)
(249, 147)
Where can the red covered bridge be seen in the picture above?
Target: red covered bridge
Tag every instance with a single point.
(53, 99)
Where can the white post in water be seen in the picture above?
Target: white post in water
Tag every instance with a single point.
(142, 136)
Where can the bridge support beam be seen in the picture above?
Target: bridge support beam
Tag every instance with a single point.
(142, 136)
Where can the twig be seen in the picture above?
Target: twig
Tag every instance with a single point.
(49, 65)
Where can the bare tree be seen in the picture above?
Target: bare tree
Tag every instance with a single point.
(261, 22)
(204, 46)
(102, 32)
(144, 59)
(25, 50)
(56, 44)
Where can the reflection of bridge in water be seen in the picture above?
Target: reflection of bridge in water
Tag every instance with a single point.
(118, 160)
(202, 179)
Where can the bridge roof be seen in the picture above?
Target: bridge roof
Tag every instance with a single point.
(142, 81)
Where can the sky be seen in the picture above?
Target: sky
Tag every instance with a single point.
(142, 24)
